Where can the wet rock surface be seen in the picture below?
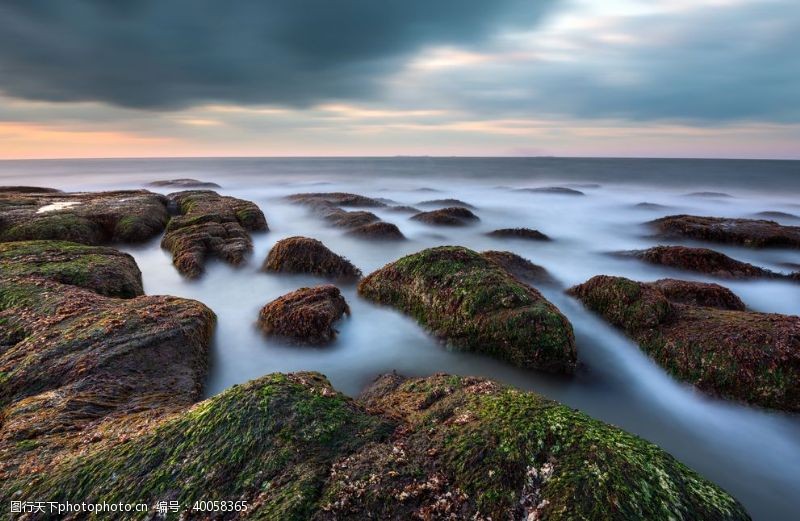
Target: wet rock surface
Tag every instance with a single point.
(378, 231)
(519, 233)
(554, 190)
(305, 255)
(701, 335)
(520, 267)
(73, 361)
(700, 260)
(183, 183)
(304, 316)
(101, 269)
(336, 199)
(442, 447)
(455, 216)
(209, 225)
(474, 304)
(126, 216)
(445, 203)
(754, 233)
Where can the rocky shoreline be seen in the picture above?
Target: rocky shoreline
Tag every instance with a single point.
(100, 382)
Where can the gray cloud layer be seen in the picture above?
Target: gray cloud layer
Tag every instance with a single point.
(176, 53)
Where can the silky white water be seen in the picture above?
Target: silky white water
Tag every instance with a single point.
(754, 454)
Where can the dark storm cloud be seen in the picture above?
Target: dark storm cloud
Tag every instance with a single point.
(176, 53)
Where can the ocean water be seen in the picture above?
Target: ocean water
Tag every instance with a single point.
(752, 453)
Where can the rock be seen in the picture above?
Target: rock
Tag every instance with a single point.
(28, 190)
(342, 219)
(700, 260)
(778, 215)
(455, 216)
(72, 359)
(305, 316)
(747, 232)
(304, 255)
(403, 209)
(519, 233)
(88, 218)
(103, 270)
(520, 267)
(378, 230)
(723, 350)
(183, 183)
(555, 190)
(210, 225)
(475, 305)
(710, 195)
(698, 294)
(446, 203)
(651, 206)
(336, 199)
(443, 447)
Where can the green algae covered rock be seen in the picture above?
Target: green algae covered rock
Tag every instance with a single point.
(127, 216)
(442, 447)
(474, 304)
(210, 225)
(701, 334)
(270, 442)
(468, 448)
(104, 270)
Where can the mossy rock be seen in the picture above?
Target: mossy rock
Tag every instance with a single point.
(304, 316)
(520, 267)
(127, 216)
(306, 255)
(270, 442)
(700, 260)
(452, 216)
(475, 305)
(518, 233)
(754, 233)
(381, 231)
(336, 199)
(468, 448)
(104, 270)
(210, 225)
(442, 447)
(701, 334)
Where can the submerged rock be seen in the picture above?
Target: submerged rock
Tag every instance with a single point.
(442, 447)
(475, 305)
(378, 230)
(305, 316)
(718, 195)
(88, 218)
(210, 225)
(519, 233)
(748, 232)
(651, 206)
(701, 260)
(555, 190)
(778, 215)
(455, 216)
(336, 199)
(520, 267)
(305, 255)
(104, 270)
(446, 203)
(723, 350)
(403, 209)
(343, 219)
(183, 183)
(28, 190)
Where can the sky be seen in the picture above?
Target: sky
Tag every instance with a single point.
(641, 78)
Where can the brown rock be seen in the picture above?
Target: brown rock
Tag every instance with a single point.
(701, 260)
(305, 316)
(748, 232)
(455, 216)
(210, 224)
(519, 233)
(520, 267)
(305, 255)
(378, 230)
